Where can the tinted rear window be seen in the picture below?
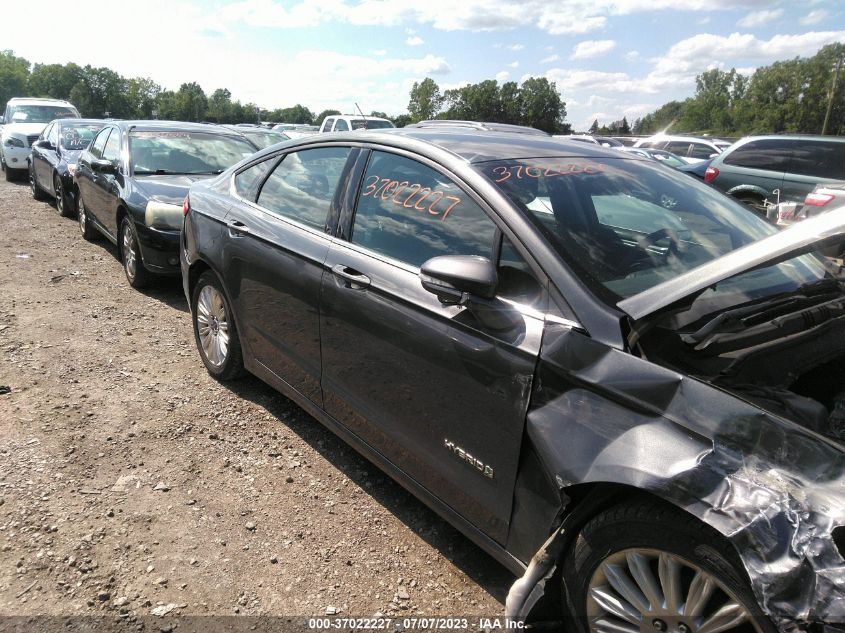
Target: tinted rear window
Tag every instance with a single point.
(823, 159)
(768, 154)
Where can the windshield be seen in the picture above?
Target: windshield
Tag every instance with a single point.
(76, 137)
(40, 113)
(369, 124)
(626, 225)
(183, 152)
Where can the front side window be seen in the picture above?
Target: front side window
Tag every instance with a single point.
(679, 148)
(53, 135)
(341, 126)
(99, 143)
(185, 152)
(700, 150)
(46, 133)
(768, 154)
(411, 212)
(111, 152)
(327, 126)
(625, 226)
(302, 186)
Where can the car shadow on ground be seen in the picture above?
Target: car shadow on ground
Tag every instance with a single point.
(425, 523)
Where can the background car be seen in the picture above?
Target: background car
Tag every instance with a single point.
(346, 122)
(132, 179)
(754, 167)
(690, 148)
(698, 170)
(24, 120)
(660, 155)
(53, 160)
(259, 136)
(599, 370)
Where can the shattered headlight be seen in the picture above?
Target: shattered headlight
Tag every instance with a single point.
(162, 215)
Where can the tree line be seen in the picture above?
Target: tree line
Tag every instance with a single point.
(794, 96)
(536, 103)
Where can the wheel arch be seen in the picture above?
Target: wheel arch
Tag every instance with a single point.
(748, 191)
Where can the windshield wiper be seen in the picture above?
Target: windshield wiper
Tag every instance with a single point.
(157, 172)
(747, 316)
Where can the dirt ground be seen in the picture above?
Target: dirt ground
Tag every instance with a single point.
(131, 483)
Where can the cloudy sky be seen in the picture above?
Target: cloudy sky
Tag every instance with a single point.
(609, 58)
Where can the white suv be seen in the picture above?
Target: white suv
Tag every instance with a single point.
(346, 122)
(23, 122)
(690, 148)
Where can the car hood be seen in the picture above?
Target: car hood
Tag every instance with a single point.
(166, 188)
(800, 238)
(26, 129)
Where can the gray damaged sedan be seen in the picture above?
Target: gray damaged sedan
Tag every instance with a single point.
(620, 383)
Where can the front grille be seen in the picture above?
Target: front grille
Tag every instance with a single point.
(31, 139)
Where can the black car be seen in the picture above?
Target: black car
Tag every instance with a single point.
(131, 180)
(53, 160)
(615, 380)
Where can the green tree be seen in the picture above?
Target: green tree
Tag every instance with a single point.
(425, 100)
(191, 102)
(14, 74)
(542, 105)
(101, 92)
(295, 114)
(54, 80)
(220, 107)
(141, 93)
(402, 120)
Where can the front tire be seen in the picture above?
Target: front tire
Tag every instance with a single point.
(130, 254)
(63, 206)
(37, 192)
(215, 332)
(646, 567)
(85, 228)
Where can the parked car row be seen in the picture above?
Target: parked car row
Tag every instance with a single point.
(619, 382)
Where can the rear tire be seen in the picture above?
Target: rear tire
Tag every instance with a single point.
(215, 332)
(643, 565)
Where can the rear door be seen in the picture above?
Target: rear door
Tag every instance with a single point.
(439, 393)
(273, 262)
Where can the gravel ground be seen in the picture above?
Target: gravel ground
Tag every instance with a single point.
(132, 483)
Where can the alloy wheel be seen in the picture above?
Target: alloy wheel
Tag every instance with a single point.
(650, 591)
(82, 216)
(213, 325)
(60, 197)
(130, 258)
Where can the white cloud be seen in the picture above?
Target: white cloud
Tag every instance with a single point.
(571, 17)
(592, 48)
(632, 56)
(515, 47)
(759, 18)
(380, 52)
(550, 59)
(514, 64)
(502, 76)
(414, 40)
(814, 17)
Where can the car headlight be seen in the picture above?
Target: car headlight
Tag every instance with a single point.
(162, 215)
(14, 142)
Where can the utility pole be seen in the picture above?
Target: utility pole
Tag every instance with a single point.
(831, 95)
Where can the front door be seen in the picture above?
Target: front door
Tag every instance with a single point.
(440, 394)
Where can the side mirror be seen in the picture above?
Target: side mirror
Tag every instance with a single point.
(103, 166)
(43, 144)
(454, 277)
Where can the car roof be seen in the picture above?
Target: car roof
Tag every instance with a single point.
(476, 146)
(38, 101)
(155, 126)
(75, 121)
(793, 137)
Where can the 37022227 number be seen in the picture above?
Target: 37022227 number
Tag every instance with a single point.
(411, 195)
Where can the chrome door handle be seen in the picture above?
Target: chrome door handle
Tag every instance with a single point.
(237, 228)
(352, 276)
